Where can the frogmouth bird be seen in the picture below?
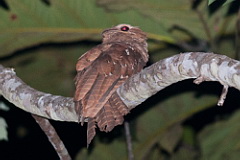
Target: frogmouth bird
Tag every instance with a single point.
(101, 70)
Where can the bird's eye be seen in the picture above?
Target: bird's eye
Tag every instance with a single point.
(124, 28)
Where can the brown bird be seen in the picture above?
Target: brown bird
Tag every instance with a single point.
(101, 70)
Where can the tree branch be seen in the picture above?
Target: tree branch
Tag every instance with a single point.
(53, 137)
(128, 140)
(203, 66)
(42, 104)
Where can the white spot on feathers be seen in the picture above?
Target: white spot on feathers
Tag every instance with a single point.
(127, 51)
(122, 76)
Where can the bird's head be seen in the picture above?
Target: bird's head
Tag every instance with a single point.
(124, 33)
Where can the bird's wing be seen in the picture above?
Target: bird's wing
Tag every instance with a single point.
(82, 80)
(96, 82)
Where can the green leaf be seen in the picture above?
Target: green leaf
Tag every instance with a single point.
(154, 123)
(114, 151)
(228, 1)
(171, 137)
(3, 129)
(225, 3)
(4, 107)
(221, 140)
(185, 153)
(30, 23)
(211, 1)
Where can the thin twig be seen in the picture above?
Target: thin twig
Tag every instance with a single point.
(223, 95)
(53, 137)
(128, 140)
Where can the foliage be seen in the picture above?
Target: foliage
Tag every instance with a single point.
(3, 131)
(221, 139)
(226, 2)
(42, 40)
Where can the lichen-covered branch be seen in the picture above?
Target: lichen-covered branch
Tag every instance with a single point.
(199, 65)
(203, 66)
(43, 104)
(53, 137)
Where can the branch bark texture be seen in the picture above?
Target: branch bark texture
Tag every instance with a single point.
(199, 65)
(53, 137)
(42, 104)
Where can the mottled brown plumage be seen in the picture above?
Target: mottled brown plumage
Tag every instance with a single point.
(101, 70)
